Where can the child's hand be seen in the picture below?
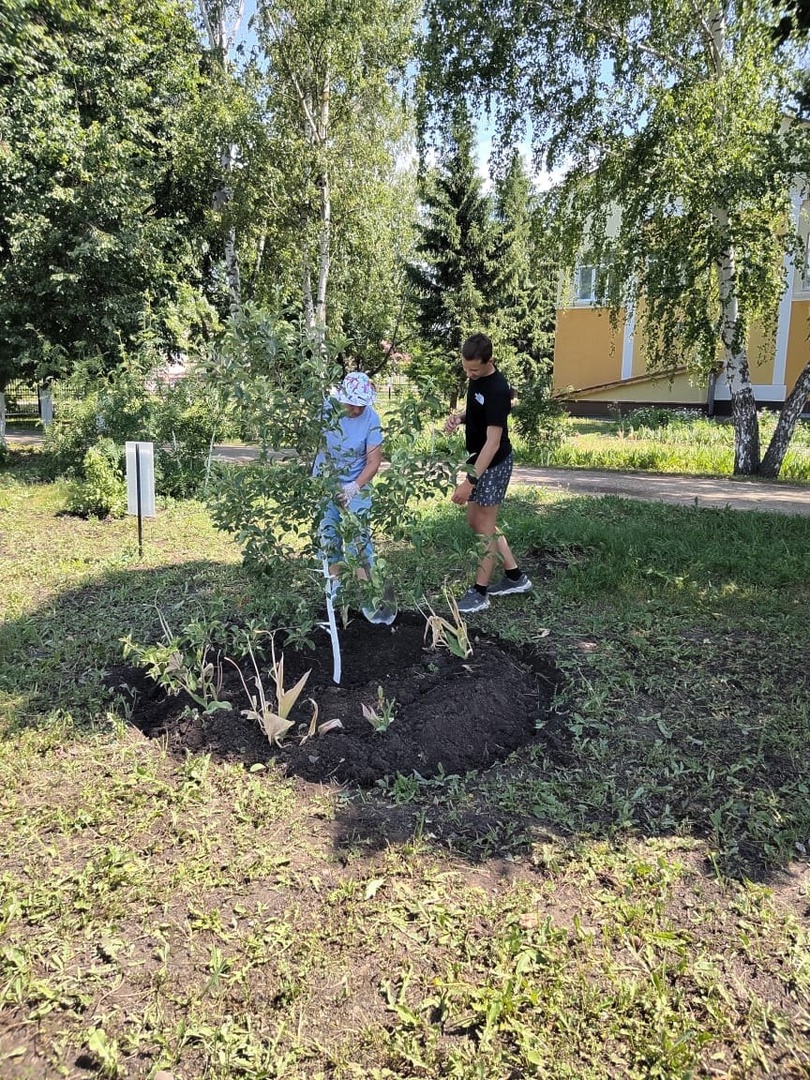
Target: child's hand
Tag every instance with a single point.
(348, 493)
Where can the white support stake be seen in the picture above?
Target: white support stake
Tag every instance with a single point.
(333, 633)
(140, 483)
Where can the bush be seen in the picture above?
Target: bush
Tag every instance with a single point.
(538, 418)
(278, 379)
(103, 492)
(128, 403)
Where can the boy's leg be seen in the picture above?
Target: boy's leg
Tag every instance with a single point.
(483, 520)
(482, 517)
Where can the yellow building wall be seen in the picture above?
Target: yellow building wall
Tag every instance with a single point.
(762, 353)
(587, 350)
(798, 350)
(660, 391)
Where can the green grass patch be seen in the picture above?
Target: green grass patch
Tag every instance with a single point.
(687, 445)
(627, 898)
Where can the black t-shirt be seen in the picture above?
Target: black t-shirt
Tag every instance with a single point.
(489, 401)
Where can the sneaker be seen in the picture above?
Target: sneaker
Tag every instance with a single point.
(505, 587)
(473, 601)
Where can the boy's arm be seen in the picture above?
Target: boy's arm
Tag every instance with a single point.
(488, 451)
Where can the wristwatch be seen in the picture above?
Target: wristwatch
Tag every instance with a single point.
(472, 478)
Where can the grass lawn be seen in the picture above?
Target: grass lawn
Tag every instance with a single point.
(684, 444)
(629, 897)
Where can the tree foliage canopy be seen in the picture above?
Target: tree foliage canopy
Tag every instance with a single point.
(675, 128)
(102, 201)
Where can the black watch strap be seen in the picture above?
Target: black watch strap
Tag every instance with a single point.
(472, 478)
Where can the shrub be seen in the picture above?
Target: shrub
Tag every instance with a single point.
(278, 379)
(102, 493)
(128, 403)
(538, 418)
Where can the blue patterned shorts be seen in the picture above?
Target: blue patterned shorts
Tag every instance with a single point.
(491, 487)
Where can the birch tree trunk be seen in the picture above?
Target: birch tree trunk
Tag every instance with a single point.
(777, 448)
(306, 289)
(324, 237)
(735, 364)
(2, 416)
(735, 357)
(221, 39)
(222, 197)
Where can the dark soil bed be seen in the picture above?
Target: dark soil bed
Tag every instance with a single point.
(451, 716)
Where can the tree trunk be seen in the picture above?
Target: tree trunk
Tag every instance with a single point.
(220, 40)
(735, 359)
(2, 416)
(794, 406)
(306, 289)
(324, 238)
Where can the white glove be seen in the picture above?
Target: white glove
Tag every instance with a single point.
(349, 491)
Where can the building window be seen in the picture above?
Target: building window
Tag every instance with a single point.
(585, 285)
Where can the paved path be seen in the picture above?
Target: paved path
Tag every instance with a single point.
(703, 491)
(741, 494)
(651, 487)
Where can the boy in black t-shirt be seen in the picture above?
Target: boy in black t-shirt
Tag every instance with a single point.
(489, 400)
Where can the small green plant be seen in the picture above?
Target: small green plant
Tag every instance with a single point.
(181, 664)
(445, 634)
(383, 715)
(102, 493)
(273, 722)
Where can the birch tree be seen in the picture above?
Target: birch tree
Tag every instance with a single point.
(222, 21)
(334, 74)
(682, 117)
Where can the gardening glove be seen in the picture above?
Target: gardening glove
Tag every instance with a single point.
(349, 491)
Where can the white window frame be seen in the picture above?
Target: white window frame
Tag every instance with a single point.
(585, 295)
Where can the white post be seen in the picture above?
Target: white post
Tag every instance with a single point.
(46, 406)
(785, 308)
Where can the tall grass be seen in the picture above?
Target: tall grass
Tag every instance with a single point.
(680, 444)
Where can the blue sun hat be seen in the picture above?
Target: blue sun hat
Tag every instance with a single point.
(356, 389)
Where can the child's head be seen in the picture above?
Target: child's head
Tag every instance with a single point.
(355, 392)
(476, 356)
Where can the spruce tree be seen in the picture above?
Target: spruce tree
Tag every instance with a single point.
(452, 277)
(522, 299)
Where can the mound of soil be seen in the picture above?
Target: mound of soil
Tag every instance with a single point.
(451, 716)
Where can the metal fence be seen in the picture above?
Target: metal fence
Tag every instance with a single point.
(22, 401)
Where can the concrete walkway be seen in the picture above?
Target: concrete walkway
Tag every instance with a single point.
(702, 491)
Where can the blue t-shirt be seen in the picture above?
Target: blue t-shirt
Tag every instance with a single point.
(348, 442)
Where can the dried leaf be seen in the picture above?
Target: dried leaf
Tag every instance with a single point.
(370, 715)
(330, 725)
(373, 887)
(288, 698)
(274, 726)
